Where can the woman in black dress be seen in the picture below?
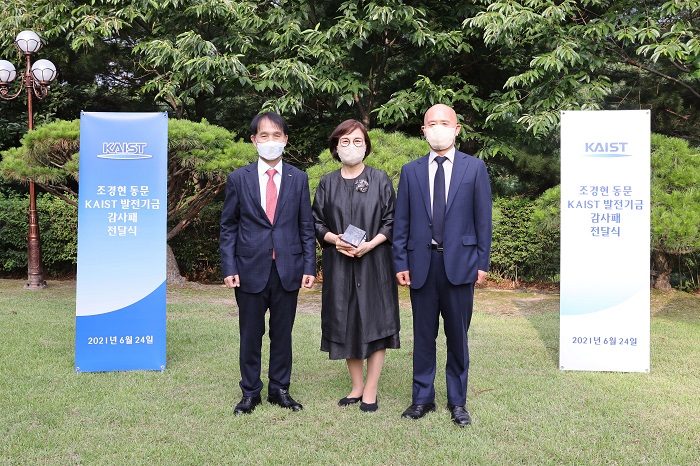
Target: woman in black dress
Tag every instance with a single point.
(360, 306)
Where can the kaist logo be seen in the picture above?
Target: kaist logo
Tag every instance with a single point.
(606, 149)
(124, 150)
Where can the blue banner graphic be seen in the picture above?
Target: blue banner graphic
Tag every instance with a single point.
(605, 222)
(122, 221)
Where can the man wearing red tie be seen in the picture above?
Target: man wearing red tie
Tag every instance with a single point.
(268, 252)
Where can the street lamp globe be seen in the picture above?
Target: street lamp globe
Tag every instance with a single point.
(7, 72)
(28, 42)
(43, 71)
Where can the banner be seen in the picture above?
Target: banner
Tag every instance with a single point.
(122, 214)
(605, 241)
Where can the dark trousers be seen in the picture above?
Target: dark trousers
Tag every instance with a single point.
(455, 302)
(252, 308)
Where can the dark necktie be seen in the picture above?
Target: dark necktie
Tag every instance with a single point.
(439, 201)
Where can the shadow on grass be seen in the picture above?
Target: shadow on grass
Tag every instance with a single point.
(675, 306)
(541, 310)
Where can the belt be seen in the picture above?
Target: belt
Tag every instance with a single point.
(437, 247)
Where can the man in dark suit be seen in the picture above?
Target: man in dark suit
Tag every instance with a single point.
(268, 252)
(442, 243)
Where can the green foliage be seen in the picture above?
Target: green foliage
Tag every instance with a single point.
(59, 234)
(197, 246)
(546, 217)
(675, 197)
(200, 156)
(527, 172)
(568, 56)
(520, 250)
(14, 224)
(48, 156)
(58, 228)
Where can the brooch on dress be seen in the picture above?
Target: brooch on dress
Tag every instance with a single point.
(361, 186)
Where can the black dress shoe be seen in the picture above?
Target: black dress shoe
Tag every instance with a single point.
(247, 404)
(460, 415)
(348, 401)
(418, 411)
(282, 398)
(369, 407)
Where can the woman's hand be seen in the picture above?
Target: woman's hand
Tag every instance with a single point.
(343, 247)
(367, 246)
(362, 249)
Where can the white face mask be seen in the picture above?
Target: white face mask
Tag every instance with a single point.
(270, 150)
(440, 137)
(351, 155)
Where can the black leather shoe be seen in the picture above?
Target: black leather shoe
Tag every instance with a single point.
(282, 398)
(460, 415)
(418, 411)
(348, 401)
(247, 404)
(369, 407)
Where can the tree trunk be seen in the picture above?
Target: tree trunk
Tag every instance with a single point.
(172, 271)
(661, 271)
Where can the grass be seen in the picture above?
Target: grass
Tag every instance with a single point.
(525, 410)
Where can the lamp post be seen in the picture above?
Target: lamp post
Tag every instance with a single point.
(35, 79)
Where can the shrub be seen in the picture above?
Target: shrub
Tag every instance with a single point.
(57, 226)
(197, 246)
(521, 249)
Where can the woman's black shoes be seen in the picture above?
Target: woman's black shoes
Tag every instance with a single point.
(369, 407)
(348, 401)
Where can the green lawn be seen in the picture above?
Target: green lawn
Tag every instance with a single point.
(524, 410)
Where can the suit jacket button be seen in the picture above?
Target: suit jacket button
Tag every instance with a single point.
(358, 285)
(270, 250)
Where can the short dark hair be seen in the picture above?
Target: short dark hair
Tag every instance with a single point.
(347, 127)
(274, 118)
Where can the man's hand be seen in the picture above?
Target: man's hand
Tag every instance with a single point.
(404, 278)
(307, 281)
(481, 279)
(232, 281)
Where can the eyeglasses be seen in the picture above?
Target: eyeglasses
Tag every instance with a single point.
(345, 142)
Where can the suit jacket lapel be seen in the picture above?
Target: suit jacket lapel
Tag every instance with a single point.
(253, 182)
(422, 176)
(285, 188)
(459, 168)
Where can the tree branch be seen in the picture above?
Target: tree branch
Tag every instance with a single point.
(626, 59)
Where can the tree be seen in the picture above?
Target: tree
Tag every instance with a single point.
(675, 205)
(200, 156)
(564, 55)
(507, 67)
(320, 61)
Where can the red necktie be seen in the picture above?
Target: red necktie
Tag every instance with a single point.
(271, 195)
(271, 198)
